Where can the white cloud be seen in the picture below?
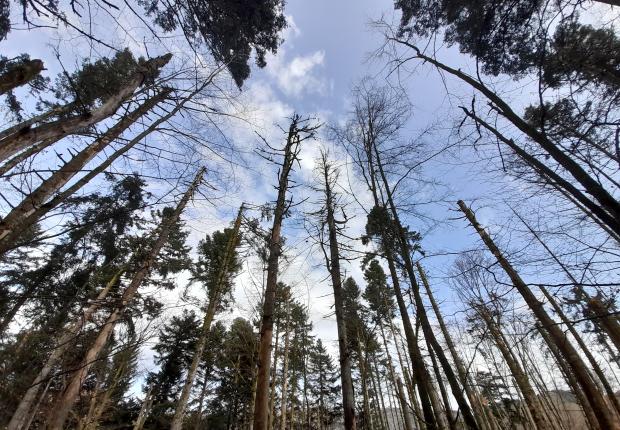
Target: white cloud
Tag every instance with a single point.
(299, 76)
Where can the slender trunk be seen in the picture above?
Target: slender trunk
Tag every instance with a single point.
(64, 343)
(284, 375)
(214, 301)
(333, 263)
(201, 400)
(531, 399)
(261, 405)
(144, 410)
(584, 348)
(428, 331)
(462, 372)
(14, 220)
(442, 390)
(590, 185)
(604, 415)
(590, 416)
(56, 130)
(20, 74)
(397, 383)
(59, 415)
(364, 377)
(274, 372)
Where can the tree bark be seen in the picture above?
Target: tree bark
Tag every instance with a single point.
(21, 217)
(26, 404)
(284, 375)
(261, 404)
(333, 264)
(20, 74)
(56, 130)
(214, 301)
(59, 415)
(604, 415)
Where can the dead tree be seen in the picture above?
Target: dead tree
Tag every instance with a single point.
(333, 264)
(299, 131)
(56, 130)
(559, 339)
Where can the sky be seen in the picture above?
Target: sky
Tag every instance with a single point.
(328, 47)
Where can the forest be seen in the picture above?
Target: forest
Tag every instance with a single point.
(291, 215)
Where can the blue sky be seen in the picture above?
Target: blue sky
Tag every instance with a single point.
(327, 49)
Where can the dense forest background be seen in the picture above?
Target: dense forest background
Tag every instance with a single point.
(258, 215)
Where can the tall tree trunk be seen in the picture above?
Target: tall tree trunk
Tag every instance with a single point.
(285, 374)
(20, 74)
(261, 405)
(428, 331)
(26, 404)
(214, 301)
(604, 414)
(397, 383)
(584, 348)
(144, 410)
(201, 400)
(442, 390)
(470, 391)
(56, 130)
(333, 263)
(14, 220)
(606, 201)
(274, 372)
(59, 415)
(364, 376)
(531, 399)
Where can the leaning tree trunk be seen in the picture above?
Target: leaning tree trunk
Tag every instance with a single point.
(27, 404)
(20, 74)
(21, 217)
(604, 414)
(429, 334)
(333, 263)
(214, 301)
(529, 395)
(470, 391)
(59, 415)
(56, 130)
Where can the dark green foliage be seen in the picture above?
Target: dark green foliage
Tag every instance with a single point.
(93, 83)
(230, 29)
(175, 349)
(582, 53)
(378, 294)
(212, 256)
(498, 33)
(324, 383)
(381, 228)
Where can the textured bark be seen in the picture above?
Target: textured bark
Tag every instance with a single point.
(287, 335)
(21, 217)
(274, 372)
(429, 334)
(604, 414)
(397, 383)
(26, 404)
(56, 130)
(531, 399)
(333, 263)
(20, 74)
(214, 301)
(470, 391)
(261, 404)
(144, 410)
(572, 167)
(59, 415)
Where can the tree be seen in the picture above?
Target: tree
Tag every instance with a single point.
(216, 267)
(175, 350)
(299, 131)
